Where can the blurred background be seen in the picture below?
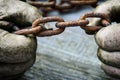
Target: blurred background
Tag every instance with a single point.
(68, 56)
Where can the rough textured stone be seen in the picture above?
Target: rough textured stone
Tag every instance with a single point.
(17, 52)
(111, 71)
(108, 38)
(110, 58)
(16, 48)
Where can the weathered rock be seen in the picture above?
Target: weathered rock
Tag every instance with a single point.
(111, 71)
(109, 58)
(16, 48)
(17, 52)
(108, 38)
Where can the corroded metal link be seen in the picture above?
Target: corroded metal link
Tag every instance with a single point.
(41, 4)
(91, 28)
(83, 2)
(46, 19)
(60, 24)
(72, 23)
(105, 17)
(92, 14)
(38, 28)
(29, 31)
(62, 5)
(105, 21)
(48, 32)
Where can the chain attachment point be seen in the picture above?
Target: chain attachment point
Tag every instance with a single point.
(105, 21)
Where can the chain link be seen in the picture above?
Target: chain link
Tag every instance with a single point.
(83, 2)
(62, 5)
(105, 21)
(38, 28)
(41, 4)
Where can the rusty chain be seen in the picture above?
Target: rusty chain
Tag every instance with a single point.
(38, 28)
(105, 21)
(62, 5)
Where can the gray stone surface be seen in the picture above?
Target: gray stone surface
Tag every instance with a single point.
(68, 56)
